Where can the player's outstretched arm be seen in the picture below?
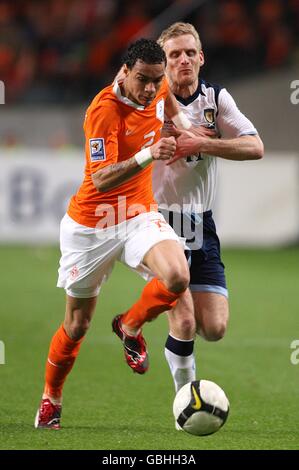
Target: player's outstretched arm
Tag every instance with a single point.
(247, 147)
(114, 175)
(239, 141)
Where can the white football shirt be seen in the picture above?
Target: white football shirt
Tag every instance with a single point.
(189, 185)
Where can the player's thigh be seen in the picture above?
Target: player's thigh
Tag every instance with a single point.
(153, 246)
(167, 258)
(211, 311)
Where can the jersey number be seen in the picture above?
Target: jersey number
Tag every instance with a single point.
(151, 137)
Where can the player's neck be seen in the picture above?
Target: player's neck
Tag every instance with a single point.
(184, 91)
(125, 92)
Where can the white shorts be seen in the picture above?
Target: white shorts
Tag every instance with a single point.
(88, 254)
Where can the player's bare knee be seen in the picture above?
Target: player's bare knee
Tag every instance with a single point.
(177, 285)
(78, 328)
(178, 280)
(213, 332)
(183, 322)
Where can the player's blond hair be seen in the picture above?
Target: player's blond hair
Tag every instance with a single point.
(179, 29)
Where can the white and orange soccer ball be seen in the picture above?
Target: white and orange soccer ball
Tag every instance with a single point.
(200, 407)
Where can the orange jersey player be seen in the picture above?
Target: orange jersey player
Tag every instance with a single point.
(115, 130)
(111, 218)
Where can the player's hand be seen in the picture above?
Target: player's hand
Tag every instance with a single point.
(187, 144)
(202, 131)
(164, 149)
(190, 142)
(169, 130)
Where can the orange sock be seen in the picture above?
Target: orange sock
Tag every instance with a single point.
(155, 299)
(62, 355)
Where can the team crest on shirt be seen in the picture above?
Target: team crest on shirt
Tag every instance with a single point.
(97, 150)
(160, 110)
(209, 115)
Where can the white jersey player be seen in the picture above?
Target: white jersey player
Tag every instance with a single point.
(190, 183)
(185, 190)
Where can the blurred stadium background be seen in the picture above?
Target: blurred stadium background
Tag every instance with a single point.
(55, 55)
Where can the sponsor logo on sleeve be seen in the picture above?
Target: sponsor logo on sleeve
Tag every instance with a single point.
(97, 150)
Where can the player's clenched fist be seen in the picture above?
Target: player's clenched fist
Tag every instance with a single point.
(164, 149)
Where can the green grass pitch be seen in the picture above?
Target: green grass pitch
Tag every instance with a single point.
(106, 406)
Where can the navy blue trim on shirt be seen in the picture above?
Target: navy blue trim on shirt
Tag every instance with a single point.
(190, 99)
(199, 91)
(216, 88)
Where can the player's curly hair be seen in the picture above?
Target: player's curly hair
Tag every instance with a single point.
(146, 50)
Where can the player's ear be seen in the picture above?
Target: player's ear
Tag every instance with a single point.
(201, 58)
(125, 69)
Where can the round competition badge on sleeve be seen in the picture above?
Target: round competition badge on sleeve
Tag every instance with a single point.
(97, 150)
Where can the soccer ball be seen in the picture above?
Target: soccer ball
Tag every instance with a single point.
(200, 407)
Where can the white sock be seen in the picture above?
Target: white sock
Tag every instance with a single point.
(181, 360)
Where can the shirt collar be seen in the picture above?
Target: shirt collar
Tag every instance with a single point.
(190, 99)
(124, 99)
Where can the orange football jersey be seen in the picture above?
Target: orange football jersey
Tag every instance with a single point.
(115, 130)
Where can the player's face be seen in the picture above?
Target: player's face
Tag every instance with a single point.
(143, 81)
(183, 60)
